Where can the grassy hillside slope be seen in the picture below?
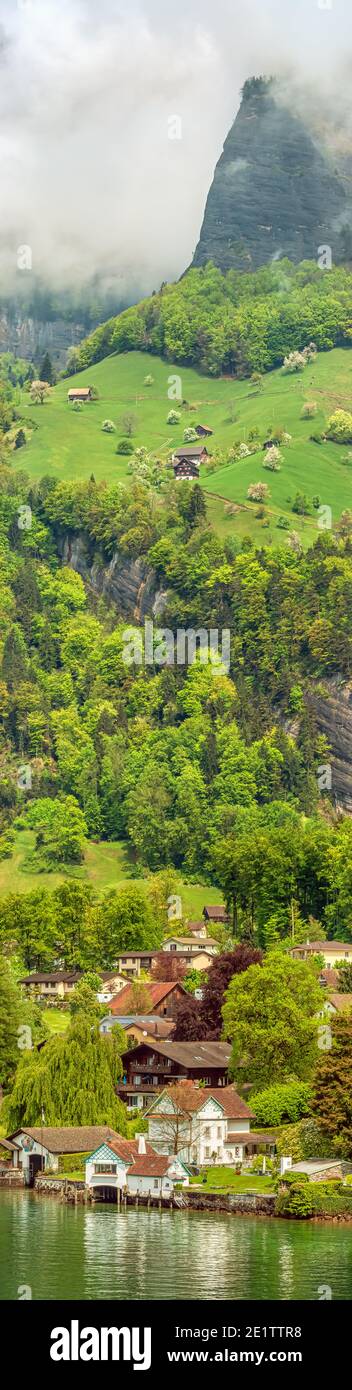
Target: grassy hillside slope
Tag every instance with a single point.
(67, 444)
(106, 866)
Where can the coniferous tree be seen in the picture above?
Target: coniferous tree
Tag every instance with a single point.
(47, 371)
(14, 661)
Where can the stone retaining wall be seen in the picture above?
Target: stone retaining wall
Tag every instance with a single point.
(253, 1202)
(11, 1177)
(63, 1188)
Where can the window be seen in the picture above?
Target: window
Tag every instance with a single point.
(207, 1152)
(207, 1132)
(219, 1131)
(105, 1168)
(156, 1182)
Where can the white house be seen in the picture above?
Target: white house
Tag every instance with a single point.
(188, 945)
(335, 953)
(108, 1165)
(40, 1148)
(156, 1175)
(132, 1166)
(204, 1126)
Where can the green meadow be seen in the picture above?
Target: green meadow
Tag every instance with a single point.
(106, 866)
(69, 444)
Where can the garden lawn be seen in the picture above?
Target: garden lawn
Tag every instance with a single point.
(57, 1020)
(225, 1179)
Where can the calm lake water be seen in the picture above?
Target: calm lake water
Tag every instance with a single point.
(66, 1252)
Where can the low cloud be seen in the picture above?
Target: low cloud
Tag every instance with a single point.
(112, 117)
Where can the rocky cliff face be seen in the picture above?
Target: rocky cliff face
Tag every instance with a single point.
(128, 584)
(278, 191)
(29, 337)
(333, 715)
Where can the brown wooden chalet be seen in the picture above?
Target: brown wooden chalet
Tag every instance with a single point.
(203, 431)
(155, 1064)
(186, 469)
(216, 914)
(80, 393)
(190, 451)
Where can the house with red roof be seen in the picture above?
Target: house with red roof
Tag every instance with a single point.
(160, 998)
(204, 1127)
(131, 1165)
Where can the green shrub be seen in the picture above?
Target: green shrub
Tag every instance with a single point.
(125, 447)
(297, 1201)
(73, 1163)
(339, 427)
(288, 1100)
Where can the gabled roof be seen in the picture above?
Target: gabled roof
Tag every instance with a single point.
(341, 1002)
(189, 940)
(68, 1140)
(196, 1055)
(146, 1021)
(226, 1097)
(190, 451)
(125, 1149)
(321, 948)
(152, 1165)
(57, 977)
(217, 913)
(120, 1004)
(79, 391)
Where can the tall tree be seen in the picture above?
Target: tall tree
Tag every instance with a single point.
(270, 1016)
(332, 1088)
(9, 1023)
(47, 371)
(221, 971)
(72, 1080)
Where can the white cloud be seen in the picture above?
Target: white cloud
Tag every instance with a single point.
(89, 178)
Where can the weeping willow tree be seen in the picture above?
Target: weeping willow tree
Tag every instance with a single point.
(71, 1081)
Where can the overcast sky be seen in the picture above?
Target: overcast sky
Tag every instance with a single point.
(89, 177)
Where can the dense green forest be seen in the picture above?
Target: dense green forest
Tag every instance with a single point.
(189, 764)
(237, 323)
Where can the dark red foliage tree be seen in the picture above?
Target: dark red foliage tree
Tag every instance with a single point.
(219, 976)
(168, 966)
(190, 1023)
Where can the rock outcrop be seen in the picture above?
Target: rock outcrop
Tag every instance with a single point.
(278, 190)
(128, 584)
(333, 715)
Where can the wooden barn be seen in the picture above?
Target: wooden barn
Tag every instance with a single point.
(80, 393)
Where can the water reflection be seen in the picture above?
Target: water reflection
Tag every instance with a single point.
(64, 1252)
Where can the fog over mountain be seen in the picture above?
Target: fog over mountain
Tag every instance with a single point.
(90, 179)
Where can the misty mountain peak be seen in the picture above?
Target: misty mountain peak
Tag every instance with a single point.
(277, 191)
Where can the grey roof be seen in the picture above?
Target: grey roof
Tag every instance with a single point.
(190, 1054)
(68, 1140)
(147, 1021)
(189, 451)
(313, 1165)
